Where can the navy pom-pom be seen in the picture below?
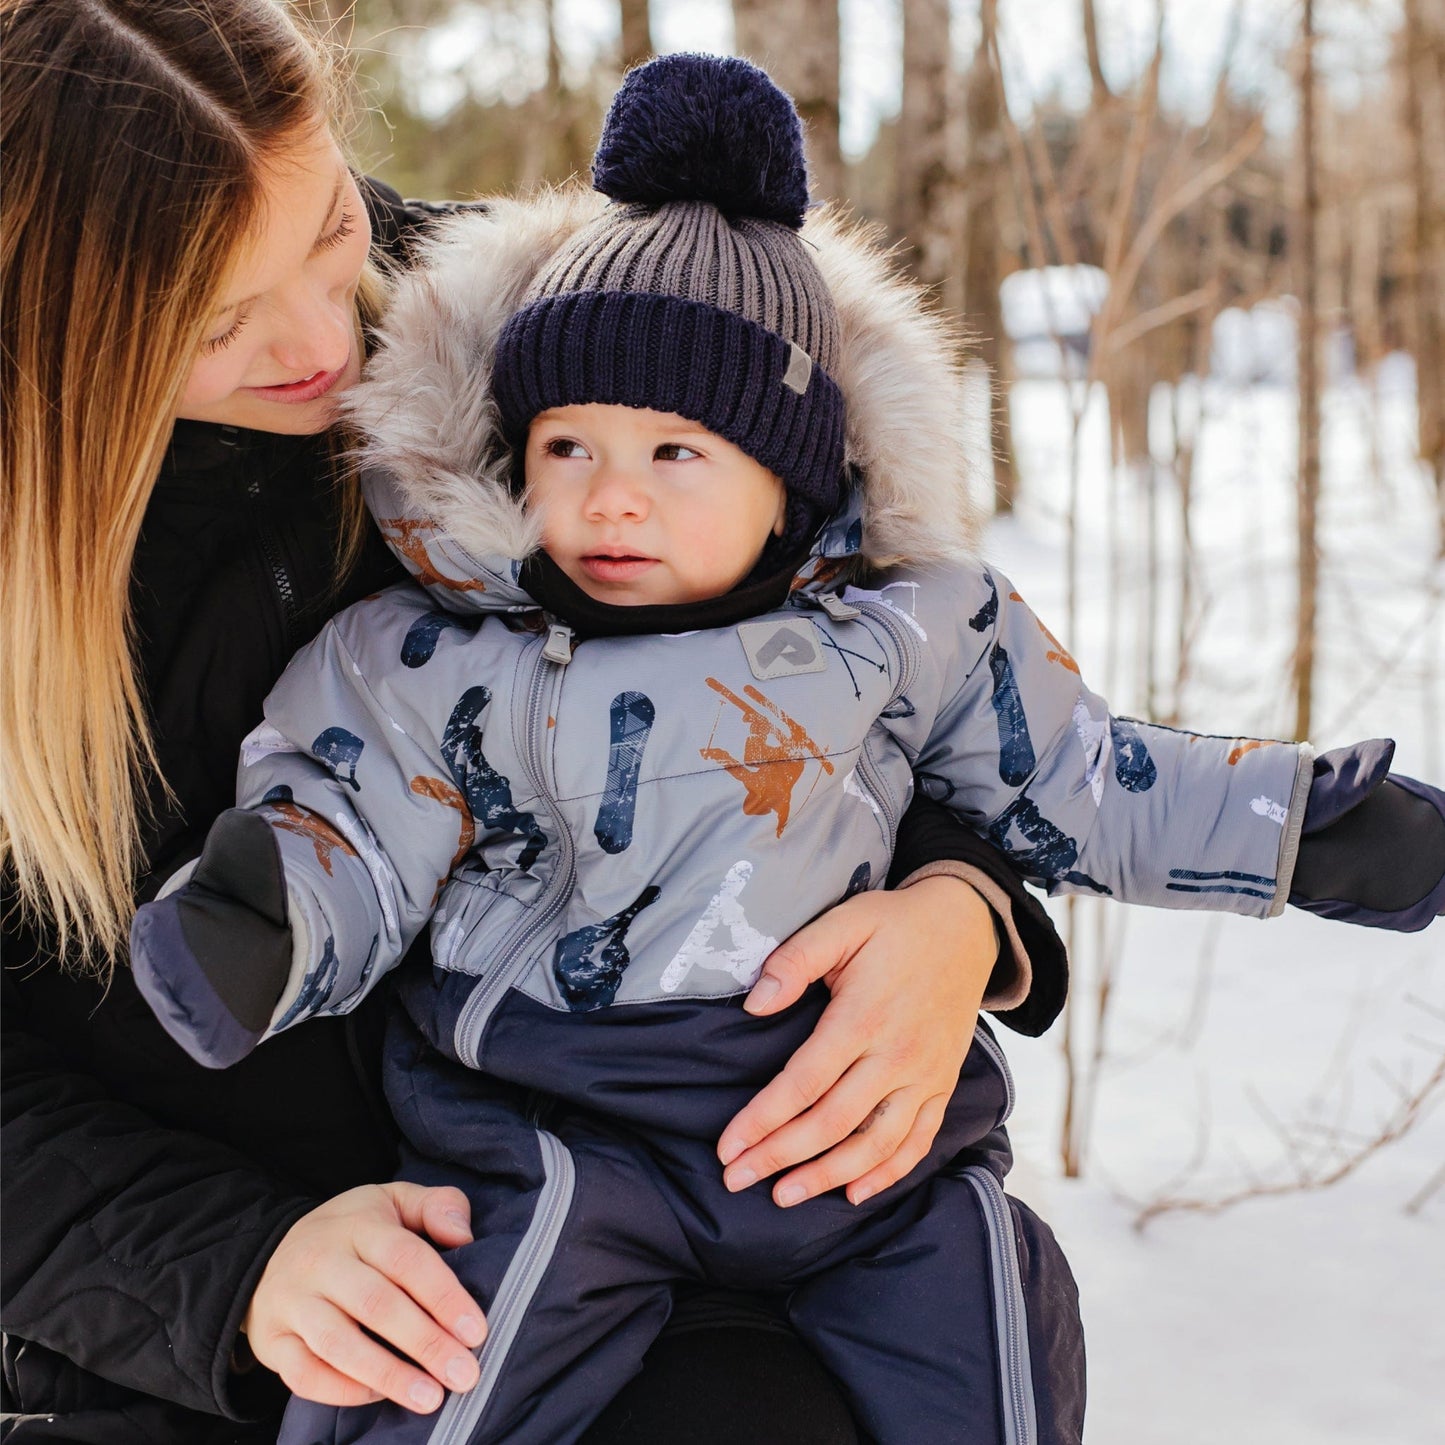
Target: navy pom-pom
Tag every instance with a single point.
(704, 128)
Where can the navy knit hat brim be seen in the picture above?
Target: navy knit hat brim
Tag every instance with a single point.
(669, 354)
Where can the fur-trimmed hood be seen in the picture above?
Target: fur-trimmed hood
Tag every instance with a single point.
(437, 473)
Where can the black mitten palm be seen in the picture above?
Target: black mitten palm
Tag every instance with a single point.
(213, 957)
(1373, 847)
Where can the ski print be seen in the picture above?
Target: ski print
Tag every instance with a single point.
(589, 962)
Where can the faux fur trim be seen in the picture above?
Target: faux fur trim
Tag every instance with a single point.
(427, 417)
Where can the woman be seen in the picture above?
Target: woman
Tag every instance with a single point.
(188, 265)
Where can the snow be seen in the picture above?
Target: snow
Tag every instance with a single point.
(1237, 1052)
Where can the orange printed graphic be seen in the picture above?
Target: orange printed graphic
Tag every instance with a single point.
(1061, 653)
(444, 792)
(774, 756)
(406, 534)
(305, 824)
(1245, 746)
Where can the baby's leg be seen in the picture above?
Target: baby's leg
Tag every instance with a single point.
(568, 1264)
(961, 1325)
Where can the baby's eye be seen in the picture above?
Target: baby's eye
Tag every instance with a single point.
(674, 452)
(564, 447)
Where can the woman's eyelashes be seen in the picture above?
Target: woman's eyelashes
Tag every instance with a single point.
(219, 343)
(345, 227)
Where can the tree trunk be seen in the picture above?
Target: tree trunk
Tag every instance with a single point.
(930, 190)
(1425, 123)
(985, 171)
(636, 33)
(797, 43)
(1307, 287)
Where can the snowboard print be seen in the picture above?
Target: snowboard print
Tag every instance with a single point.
(488, 794)
(986, 615)
(589, 962)
(630, 717)
(340, 751)
(1133, 766)
(1015, 747)
(858, 883)
(421, 637)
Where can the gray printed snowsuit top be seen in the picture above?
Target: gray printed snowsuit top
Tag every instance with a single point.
(608, 839)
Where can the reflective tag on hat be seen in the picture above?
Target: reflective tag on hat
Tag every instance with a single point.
(782, 648)
(800, 369)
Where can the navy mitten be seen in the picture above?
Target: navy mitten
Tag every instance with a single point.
(212, 958)
(1373, 846)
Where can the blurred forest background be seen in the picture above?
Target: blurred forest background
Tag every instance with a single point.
(1099, 226)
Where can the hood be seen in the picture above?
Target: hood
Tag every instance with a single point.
(436, 472)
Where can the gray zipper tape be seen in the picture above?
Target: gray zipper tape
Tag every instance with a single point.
(1016, 1379)
(462, 1414)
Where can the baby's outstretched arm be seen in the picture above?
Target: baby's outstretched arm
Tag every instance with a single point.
(310, 892)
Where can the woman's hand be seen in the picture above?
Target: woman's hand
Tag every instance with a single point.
(359, 1259)
(907, 971)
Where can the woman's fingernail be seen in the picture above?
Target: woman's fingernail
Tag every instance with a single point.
(859, 1195)
(729, 1150)
(791, 1194)
(736, 1179)
(426, 1395)
(765, 990)
(470, 1330)
(461, 1221)
(462, 1372)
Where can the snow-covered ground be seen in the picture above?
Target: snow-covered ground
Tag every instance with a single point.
(1237, 1053)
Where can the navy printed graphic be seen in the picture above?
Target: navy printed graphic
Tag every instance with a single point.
(845, 653)
(862, 877)
(589, 962)
(1053, 853)
(1015, 747)
(631, 717)
(339, 750)
(488, 793)
(1133, 766)
(421, 637)
(1221, 882)
(853, 543)
(901, 708)
(281, 793)
(316, 986)
(986, 615)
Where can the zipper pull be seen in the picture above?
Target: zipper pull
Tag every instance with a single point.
(836, 608)
(559, 644)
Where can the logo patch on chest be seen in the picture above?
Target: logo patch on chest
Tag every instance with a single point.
(782, 648)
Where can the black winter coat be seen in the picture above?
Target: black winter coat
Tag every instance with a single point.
(143, 1194)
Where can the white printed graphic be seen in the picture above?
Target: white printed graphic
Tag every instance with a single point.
(855, 595)
(359, 836)
(1098, 744)
(261, 742)
(744, 960)
(855, 789)
(1268, 808)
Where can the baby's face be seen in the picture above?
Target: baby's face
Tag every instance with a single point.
(643, 507)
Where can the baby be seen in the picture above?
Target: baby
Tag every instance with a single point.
(612, 773)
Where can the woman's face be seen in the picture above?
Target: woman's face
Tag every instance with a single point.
(282, 344)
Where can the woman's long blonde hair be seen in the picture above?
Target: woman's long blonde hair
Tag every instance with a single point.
(133, 134)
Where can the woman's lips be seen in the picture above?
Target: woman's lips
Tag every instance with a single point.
(307, 389)
(604, 568)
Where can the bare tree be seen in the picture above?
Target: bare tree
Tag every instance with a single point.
(636, 32)
(985, 171)
(1307, 287)
(1425, 122)
(797, 43)
(929, 199)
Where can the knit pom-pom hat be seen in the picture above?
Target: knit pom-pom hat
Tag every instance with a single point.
(693, 293)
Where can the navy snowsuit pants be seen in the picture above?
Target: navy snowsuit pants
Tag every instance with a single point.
(944, 1308)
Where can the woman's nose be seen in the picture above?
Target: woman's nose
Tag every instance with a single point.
(318, 332)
